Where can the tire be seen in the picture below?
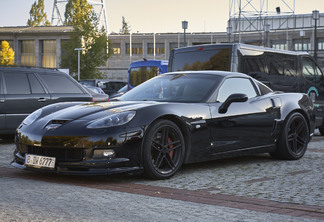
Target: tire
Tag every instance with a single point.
(163, 150)
(294, 138)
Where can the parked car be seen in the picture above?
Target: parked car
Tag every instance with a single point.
(169, 120)
(112, 86)
(24, 90)
(97, 94)
(119, 93)
(92, 82)
(95, 89)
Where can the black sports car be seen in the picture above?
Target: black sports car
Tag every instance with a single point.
(172, 119)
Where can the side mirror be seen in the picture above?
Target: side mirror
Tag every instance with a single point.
(236, 97)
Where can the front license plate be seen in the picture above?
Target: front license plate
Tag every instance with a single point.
(39, 161)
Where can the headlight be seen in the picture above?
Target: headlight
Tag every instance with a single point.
(32, 117)
(113, 120)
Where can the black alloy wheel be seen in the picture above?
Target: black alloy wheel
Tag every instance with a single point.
(294, 138)
(163, 150)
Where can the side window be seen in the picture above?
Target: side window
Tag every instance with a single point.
(281, 64)
(235, 85)
(310, 71)
(253, 64)
(263, 88)
(60, 84)
(36, 87)
(16, 83)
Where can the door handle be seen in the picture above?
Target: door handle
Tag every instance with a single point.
(2, 100)
(42, 100)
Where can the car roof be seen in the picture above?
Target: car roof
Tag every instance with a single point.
(33, 69)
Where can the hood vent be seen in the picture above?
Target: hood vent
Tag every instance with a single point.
(57, 121)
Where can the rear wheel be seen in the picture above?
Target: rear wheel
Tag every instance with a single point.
(294, 138)
(163, 150)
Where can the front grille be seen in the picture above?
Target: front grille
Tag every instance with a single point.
(61, 154)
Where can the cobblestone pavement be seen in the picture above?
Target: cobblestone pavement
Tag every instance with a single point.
(254, 188)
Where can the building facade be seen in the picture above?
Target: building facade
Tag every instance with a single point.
(36, 46)
(42, 46)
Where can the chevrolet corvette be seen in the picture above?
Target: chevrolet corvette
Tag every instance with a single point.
(167, 121)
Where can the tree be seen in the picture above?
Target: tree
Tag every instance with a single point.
(87, 36)
(7, 55)
(125, 27)
(37, 15)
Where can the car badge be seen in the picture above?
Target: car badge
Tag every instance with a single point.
(52, 127)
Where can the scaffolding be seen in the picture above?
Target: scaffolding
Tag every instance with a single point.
(255, 16)
(99, 9)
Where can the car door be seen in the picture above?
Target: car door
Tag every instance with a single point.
(23, 95)
(246, 124)
(2, 105)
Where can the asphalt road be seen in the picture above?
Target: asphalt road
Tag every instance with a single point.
(253, 188)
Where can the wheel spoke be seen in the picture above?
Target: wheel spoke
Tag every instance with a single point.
(165, 136)
(157, 145)
(294, 146)
(169, 161)
(174, 147)
(300, 127)
(290, 137)
(159, 160)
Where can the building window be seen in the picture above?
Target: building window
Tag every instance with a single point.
(282, 46)
(320, 44)
(136, 48)
(27, 52)
(302, 45)
(48, 53)
(116, 48)
(159, 48)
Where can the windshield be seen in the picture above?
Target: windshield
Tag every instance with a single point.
(182, 87)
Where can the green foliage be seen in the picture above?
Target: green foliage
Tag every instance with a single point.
(125, 27)
(7, 55)
(37, 15)
(87, 36)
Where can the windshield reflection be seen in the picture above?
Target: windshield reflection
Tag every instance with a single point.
(179, 87)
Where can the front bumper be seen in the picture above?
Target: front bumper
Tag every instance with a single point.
(86, 167)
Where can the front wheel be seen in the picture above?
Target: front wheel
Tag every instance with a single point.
(163, 150)
(294, 138)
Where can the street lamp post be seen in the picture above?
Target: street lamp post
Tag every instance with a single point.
(266, 30)
(315, 16)
(229, 33)
(302, 35)
(78, 49)
(184, 26)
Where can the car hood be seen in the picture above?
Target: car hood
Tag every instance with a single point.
(92, 111)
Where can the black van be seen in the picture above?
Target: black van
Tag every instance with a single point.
(23, 90)
(281, 70)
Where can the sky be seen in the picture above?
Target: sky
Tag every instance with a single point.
(148, 16)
